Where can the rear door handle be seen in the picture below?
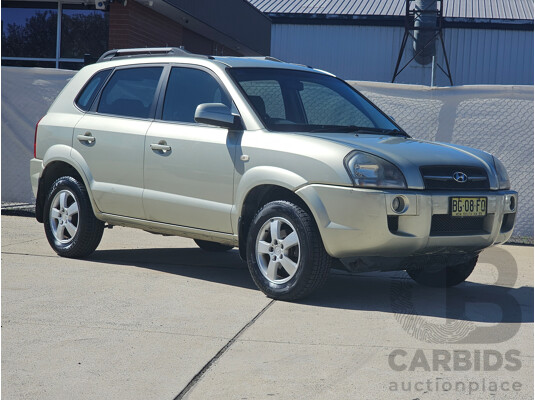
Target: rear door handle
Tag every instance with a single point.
(86, 137)
(161, 146)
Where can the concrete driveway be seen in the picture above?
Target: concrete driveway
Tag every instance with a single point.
(153, 317)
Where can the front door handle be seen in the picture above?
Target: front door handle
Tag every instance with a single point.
(161, 146)
(86, 137)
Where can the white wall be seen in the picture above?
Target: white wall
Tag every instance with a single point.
(369, 53)
(27, 93)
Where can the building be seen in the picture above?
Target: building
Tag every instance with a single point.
(61, 34)
(487, 41)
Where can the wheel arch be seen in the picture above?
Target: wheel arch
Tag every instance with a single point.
(258, 197)
(56, 166)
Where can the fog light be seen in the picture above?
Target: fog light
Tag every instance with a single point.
(399, 205)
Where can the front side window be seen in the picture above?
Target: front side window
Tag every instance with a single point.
(302, 101)
(186, 89)
(130, 92)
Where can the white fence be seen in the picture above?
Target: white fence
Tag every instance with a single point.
(497, 119)
(27, 93)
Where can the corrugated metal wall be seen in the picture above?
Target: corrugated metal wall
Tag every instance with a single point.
(369, 53)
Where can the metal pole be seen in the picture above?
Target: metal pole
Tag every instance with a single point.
(433, 70)
(403, 43)
(446, 58)
(58, 35)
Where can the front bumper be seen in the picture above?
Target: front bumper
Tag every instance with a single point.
(356, 222)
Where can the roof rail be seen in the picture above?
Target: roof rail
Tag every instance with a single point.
(267, 58)
(149, 51)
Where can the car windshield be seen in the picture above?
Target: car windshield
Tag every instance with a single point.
(300, 101)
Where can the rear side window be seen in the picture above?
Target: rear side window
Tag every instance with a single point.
(91, 89)
(130, 92)
(186, 89)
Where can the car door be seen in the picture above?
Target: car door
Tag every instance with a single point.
(111, 136)
(189, 167)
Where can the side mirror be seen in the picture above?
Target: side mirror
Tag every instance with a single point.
(217, 114)
(391, 117)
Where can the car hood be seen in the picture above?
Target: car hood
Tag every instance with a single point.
(410, 154)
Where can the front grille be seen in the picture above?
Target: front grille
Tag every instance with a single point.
(443, 225)
(440, 177)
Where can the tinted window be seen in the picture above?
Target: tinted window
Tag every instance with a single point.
(79, 25)
(29, 32)
(130, 92)
(30, 29)
(186, 89)
(88, 94)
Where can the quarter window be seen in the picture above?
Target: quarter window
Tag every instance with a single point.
(90, 91)
(186, 89)
(130, 92)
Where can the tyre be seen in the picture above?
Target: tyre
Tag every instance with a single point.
(285, 253)
(449, 275)
(71, 227)
(212, 246)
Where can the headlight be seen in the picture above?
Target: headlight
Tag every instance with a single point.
(503, 178)
(367, 170)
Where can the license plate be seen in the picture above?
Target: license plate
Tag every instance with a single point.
(468, 206)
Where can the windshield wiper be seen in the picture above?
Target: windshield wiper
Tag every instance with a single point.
(394, 132)
(341, 129)
(357, 129)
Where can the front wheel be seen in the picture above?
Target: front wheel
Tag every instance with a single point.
(449, 275)
(285, 253)
(71, 227)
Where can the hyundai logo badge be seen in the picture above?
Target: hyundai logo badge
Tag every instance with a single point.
(460, 177)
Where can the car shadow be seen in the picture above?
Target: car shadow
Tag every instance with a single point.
(396, 292)
(226, 268)
(388, 292)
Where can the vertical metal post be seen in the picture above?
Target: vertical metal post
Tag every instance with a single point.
(410, 26)
(58, 35)
(433, 70)
(446, 58)
(400, 55)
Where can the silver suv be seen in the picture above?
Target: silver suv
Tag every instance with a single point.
(288, 163)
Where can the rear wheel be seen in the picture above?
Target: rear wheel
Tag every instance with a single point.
(449, 275)
(212, 246)
(71, 227)
(285, 253)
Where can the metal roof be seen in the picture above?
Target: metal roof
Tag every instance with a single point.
(473, 9)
